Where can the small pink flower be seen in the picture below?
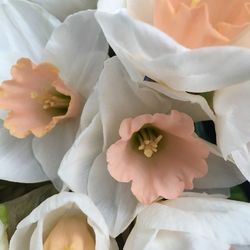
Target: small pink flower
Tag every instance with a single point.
(36, 98)
(159, 153)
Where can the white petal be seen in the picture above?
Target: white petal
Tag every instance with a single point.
(242, 160)
(50, 149)
(81, 55)
(114, 200)
(232, 117)
(63, 8)
(44, 217)
(75, 167)
(17, 162)
(90, 110)
(111, 5)
(25, 29)
(194, 223)
(221, 173)
(194, 105)
(7, 59)
(171, 240)
(143, 48)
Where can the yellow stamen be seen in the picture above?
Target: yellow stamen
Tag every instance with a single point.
(194, 3)
(67, 248)
(148, 142)
(33, 95)
(55, 102)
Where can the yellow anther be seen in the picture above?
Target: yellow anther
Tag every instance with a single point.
(33, 95)
(55, 102)
(148, 141)
(67, 248)
(194, 3)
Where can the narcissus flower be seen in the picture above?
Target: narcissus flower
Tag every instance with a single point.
(64, 221)
(37, 98)
(117, 97)
(159, 154)
(192, 222)
(47, 75)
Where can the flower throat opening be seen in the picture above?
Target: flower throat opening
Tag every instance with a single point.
(147, 140)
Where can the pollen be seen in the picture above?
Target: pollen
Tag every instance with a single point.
(148, 141)
(194, 3)
(33, 95)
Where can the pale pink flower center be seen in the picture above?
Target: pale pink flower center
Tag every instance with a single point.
(159, 153)
(199, 23)
(37, 99)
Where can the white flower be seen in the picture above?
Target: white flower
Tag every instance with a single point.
(193, 222)
(63, 220)
(63, 8)
(3, 237)
(78, 49)
(115, 98)
(145, 50)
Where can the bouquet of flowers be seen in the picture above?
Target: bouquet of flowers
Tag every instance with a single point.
(124, 124)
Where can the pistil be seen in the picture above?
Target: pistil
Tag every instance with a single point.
(148, 141)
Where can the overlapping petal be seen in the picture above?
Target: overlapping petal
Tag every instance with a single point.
(192, 222)
(144, 50)
(17, 161)
(19, 33)
(63, 8)
(232, 124)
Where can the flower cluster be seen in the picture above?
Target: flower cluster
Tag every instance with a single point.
(105, 102)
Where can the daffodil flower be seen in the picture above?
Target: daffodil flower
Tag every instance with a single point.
(192, 222)
(48, 69)
(159, 154)
(140, 139)
(63, 221)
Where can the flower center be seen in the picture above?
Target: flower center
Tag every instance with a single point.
(53, 102)
(148, 139)
(37, 99)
